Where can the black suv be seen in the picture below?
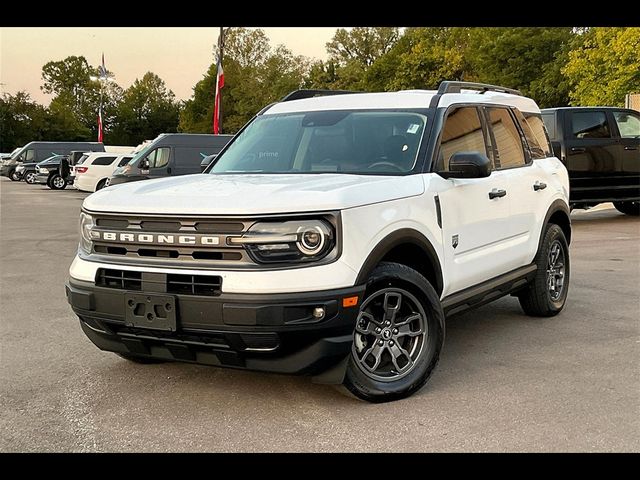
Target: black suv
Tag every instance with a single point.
(600, 147)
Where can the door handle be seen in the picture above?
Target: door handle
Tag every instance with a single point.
(539, 186)
(578, 149)
(630, 147)
(497, 193)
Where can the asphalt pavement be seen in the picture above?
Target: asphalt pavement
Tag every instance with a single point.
(505, 382)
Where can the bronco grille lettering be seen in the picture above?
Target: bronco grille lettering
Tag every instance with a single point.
(153, 238)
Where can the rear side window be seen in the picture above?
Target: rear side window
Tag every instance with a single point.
(508, 151)
(536, 139)
(462, 132)
(82, 159)
(103, 161)
(124, 161)
(590, 125)
(628, 124)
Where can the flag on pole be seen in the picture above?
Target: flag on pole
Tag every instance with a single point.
(102, 69)
(216, 107)
(100, 123)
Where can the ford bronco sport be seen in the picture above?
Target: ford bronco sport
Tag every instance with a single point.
(331, 237)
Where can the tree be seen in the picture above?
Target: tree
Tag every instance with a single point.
(525, 58)
(605, 67)
(21, 121)
(147, 109)
(361, 44)
(255, 75)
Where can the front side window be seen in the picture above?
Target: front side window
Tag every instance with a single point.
(159, 157)
(462, 132)
(508, 151)
(103, 161)
(30, 156)
(628, 124)
(344, 141)
(590, 125)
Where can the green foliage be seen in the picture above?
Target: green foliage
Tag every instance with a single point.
(255, 75)
(605, 67)
(361, 44)
(21, 121)
(147, 109)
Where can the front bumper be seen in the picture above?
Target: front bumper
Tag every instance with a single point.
(5, 169)
(265, 332)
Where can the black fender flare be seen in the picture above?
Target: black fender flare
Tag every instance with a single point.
(556, 206)
(404, 235)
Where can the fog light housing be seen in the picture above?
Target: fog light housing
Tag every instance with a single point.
(318, 313)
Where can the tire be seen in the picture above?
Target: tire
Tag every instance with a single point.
(15, 176)
(541, 298)
(395, 290)
(132, 357)
(56, 182)
(628, 208)
(30, 177)
(101, 184)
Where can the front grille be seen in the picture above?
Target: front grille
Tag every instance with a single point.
(209, 285)
(204, 285)
(121, 279)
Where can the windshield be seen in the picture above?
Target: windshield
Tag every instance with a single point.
(344, 141)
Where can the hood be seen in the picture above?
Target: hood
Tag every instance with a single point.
(205, 194)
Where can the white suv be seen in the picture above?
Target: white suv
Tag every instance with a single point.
(332, 237)
(94, 169)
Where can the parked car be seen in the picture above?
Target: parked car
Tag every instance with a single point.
(332, 237)
(206, 161)
(7, 156)
(48, 173)
(94, 170)
(35, 152)
(170, 154)
(600, 147)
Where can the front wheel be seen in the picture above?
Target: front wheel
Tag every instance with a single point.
(398, 336)
(628, 208)
(15, 176)
(57, 182)
(30, 178)
(546, 295)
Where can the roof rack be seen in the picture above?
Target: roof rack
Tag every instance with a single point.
(455, 87)
(300, 94)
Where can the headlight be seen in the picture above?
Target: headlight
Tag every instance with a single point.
(293, 241)
(86, 224)
(42, 170)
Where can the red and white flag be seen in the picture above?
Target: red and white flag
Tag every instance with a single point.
(100, 124)
(216, 107)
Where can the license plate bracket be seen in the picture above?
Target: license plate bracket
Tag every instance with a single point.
(153, 312)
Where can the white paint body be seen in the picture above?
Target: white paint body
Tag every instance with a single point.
(89, 180)
(495, 236)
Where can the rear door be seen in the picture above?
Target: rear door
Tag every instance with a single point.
(627, 126)
(592, 154)
(475, 227)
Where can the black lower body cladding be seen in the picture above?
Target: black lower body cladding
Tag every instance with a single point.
(266, 332)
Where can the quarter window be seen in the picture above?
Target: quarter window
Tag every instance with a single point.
(628, 124)
(124, 161)
(462, 132)
(590, 125)
(103, 161)
(538, 143)
(508, 151)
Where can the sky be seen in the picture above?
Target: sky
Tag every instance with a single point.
(179, 55)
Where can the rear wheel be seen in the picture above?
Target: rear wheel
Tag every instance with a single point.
(30, 178)
(57, 182)
(101, 184)
(546, 295)
(628, 208)
(132, 357)
(398, 336)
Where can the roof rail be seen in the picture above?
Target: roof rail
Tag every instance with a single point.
(300, 94)
(455, 87)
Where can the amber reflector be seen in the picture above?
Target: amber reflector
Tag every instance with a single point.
(350, 301)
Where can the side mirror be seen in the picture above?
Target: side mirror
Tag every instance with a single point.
(144, 164)
(468, 165)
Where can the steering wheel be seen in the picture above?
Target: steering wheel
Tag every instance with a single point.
(386, 164)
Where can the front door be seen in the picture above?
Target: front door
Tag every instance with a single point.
(475, 227)
(159, 163)
(591, 154)
(627, 123)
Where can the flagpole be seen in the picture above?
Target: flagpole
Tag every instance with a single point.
(221, 42)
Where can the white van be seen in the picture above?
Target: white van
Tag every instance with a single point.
(94, 169)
